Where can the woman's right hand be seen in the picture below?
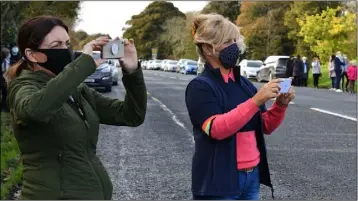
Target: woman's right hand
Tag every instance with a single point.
(95, 45)
(267, 91)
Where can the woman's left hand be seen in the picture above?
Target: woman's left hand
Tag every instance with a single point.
(284, 99)
(130, 60)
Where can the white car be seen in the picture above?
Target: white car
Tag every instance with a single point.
(249, 68)
(171, 66)
(162, 64)
(149, 65)
(156, 64)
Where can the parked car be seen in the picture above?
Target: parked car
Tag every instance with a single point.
(162, 64)
(103, 76)
(273, 67)
(170, 66)
(200, 67)
(114, 63)
(149, 65)
(180, 62)
(156, 64)
(249, 68)
(189, 67)
(144, 64)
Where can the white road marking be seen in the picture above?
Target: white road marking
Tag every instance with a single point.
(174, 117)
(334, 114)
(183, 79)
(292, 103)
(172, 77)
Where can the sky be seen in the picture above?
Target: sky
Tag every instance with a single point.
(109, 17)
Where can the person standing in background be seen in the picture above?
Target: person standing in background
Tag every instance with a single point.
(344, 73)
(352, 75)
(5, 63)
(297, 71)
(338, 68)
(316, 71)
(331, 72)
(306, 69)
(15, 55)
(289, 68)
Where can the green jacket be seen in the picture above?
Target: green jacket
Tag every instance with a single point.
(57, 144)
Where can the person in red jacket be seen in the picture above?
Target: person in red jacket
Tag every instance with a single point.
(352, 75)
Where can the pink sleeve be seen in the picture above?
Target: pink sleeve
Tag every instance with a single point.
(273, 118)
(225, 125)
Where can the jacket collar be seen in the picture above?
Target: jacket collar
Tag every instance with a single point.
(234, 73)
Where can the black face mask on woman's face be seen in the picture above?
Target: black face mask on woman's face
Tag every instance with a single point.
(57, 59)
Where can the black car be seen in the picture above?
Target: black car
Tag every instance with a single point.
(102, 77)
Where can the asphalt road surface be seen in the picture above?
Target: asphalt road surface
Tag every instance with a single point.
(312, 155)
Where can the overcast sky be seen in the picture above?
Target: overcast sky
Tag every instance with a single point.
(110, 16)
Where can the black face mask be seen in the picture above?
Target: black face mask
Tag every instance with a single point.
(57, 59)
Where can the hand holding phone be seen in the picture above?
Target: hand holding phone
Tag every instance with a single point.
(285, 85)
(113, 49)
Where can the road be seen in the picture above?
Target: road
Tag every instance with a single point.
(311, 156)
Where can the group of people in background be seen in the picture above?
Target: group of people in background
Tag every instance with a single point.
(343, 73)
(9, 56)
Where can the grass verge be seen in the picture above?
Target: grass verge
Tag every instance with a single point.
(11, 166)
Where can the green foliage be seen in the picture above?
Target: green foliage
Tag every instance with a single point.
(177, 37)
(297, 11)
(229, 9)
(10, 166)
(147, 27)
(14, 13)
(334, 33)
(263, 29)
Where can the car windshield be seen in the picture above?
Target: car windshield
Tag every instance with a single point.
(282, 62)
(254, 64)
(192, 63)
(158, 61)
(173, 62)
(96, 56)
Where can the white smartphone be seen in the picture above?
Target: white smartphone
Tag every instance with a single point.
(285, 85)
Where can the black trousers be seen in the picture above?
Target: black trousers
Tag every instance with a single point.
(315, 80)
(344, 77)
(297, 81)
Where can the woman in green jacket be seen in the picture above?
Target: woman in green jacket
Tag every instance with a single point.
(56, 117)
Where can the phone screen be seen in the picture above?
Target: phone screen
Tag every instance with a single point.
(285, 85)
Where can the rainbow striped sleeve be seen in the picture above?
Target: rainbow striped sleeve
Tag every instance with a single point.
(207, 124)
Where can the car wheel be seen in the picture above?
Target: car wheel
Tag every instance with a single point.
(115, 83)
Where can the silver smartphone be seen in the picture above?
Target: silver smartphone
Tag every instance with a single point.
(113, 49)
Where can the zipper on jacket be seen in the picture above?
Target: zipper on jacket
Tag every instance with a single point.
(86, 147)
(61, 173)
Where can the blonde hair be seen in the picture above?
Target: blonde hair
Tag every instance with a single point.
(215, 30)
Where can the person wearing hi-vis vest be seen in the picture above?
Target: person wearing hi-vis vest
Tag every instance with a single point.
(229, 117)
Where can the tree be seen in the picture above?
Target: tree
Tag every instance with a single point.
(263, 29)
(298, 10)
(229, 9)
(334, 33)
(14, 13)
(177, 36)
(146, 27)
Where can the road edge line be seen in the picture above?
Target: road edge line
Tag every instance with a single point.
(334, 114)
